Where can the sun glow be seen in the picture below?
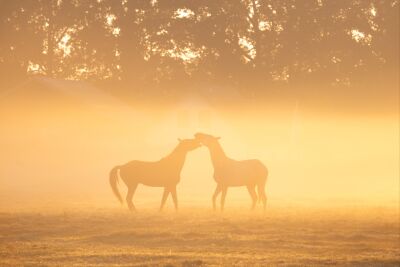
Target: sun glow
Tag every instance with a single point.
(361, 37)
(64, 45)
(183, 13)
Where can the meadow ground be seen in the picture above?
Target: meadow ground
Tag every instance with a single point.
(198, 237)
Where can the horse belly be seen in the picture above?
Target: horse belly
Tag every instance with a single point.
(239, 181)
(236, 184)
(235, 178)
(152, 183)
(159, 181)
(146, 173)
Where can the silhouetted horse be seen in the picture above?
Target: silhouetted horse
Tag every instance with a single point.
(229, 172)
(163, 173)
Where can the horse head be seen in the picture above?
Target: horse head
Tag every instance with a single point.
(206, 139)
(189, 144)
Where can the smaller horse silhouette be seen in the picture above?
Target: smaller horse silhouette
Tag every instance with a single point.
(229, 172)
(163, 173)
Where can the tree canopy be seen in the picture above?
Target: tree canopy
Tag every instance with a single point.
(233, 43)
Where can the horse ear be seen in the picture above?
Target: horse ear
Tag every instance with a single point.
(218, 138)
(180, 140)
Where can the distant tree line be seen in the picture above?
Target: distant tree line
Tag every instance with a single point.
(174, 43)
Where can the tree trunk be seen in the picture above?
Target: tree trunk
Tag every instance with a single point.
(50, 42)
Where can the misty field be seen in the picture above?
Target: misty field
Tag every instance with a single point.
(198, 237)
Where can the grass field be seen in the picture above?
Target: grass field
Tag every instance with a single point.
(198, 237)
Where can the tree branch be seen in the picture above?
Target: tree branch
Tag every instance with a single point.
(62, 34)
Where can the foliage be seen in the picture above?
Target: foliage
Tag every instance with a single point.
(173, 42)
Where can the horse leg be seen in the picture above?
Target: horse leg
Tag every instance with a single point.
(262, 195)
(129, 196)
(224, 191)
(215, 195)
(164, 198)
(264, 201)
(174, 197)
(253, 194)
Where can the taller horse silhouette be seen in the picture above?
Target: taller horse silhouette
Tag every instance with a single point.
(163, 173)
(229, 172)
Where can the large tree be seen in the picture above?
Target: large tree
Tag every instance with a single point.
(164, 43)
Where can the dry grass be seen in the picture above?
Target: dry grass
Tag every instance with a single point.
(199, 237)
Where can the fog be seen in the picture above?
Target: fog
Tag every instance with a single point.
(61, 144)
(90, 90)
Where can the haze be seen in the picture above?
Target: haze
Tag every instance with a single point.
(310, 89)
(62, 147)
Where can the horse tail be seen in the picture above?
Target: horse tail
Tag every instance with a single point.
(114, 182)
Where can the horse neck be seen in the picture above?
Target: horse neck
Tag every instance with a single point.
(177, 157)
(217, 154)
